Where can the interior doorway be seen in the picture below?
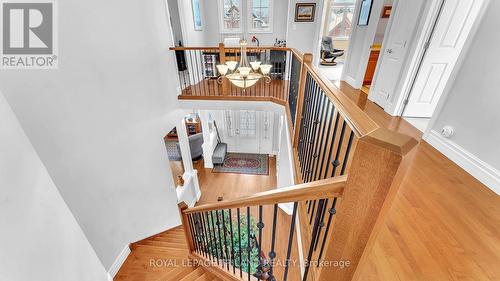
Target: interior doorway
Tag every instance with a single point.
(175, 22)
(442, 54)
(376, 46)
(338, 23)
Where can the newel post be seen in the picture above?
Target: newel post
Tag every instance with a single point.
(306, 58)
(377, 169)
(185, 225)
(222, 60)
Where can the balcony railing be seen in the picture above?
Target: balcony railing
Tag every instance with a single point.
(335, 144)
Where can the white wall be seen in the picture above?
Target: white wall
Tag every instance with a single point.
(472, 104)
(192, 38)
(359, 45)
(304, 36)
(38, 230)
(175, 21)
(98, 122)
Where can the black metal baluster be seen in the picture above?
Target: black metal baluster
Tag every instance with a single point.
(332, 145)
(312, 212)
(315, 149)
(311, 245)
(290, 240)
(331, 212)
(272, 253)
(216, 242)
(211, 240)
(223, 256)
(196, 234)
(239, 241)
(310, 139)
(205, 234)
(260, 226)
(249, 248)
(306, 111)
(330, 121)
(321, 149)
(336, 162)
(191, 228)
(225, 240)
(347, 152)
(321, 223)
(233, 258)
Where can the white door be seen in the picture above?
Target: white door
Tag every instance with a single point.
(248, 132)
(450, 33)
(395, 48)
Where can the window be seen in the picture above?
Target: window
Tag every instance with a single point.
(248, 124)
(231, 16)
(340, 19)
(260, 15)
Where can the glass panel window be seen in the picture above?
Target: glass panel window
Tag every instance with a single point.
(260, 15)
(340, 19)
(248, 124)
(231, 15)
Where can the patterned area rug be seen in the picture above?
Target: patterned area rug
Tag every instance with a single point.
(244, 163)
(173, 153)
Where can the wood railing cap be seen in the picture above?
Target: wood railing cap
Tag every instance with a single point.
(391, 140)
(331, 187)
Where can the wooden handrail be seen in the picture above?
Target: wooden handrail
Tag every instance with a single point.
(332, 187)
(360, 122)
(231, 48)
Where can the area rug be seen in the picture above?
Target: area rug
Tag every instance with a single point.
(244, 163)
(173, 153)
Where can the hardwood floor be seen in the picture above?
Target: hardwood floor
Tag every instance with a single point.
(162, 258)
(444, 224)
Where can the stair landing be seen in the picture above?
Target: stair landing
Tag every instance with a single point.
(162, 257)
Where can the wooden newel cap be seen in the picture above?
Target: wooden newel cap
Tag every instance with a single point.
(391, 140)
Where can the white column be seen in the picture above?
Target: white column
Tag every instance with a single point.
(208, 146)
(190, 174)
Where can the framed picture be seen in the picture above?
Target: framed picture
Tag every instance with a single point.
(196, 15)
(364, 13)
(387, 11)
(304, 12)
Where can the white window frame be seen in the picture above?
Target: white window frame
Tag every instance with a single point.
(250, 18)
(221, 19)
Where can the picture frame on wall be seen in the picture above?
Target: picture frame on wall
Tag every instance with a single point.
(304, 12)
(386, 12)
(198, 25)
(365, 11)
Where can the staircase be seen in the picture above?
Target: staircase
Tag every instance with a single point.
(160, 258)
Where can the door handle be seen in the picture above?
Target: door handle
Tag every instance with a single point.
(389, 51)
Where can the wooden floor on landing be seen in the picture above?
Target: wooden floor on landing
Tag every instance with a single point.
(444, 224)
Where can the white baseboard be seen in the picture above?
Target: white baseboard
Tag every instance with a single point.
(482, 171)
(113, 270)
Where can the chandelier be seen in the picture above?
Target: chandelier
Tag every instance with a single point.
(244, 74)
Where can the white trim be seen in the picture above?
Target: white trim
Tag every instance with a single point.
(249, 17)
(479, 169)
(117, 264)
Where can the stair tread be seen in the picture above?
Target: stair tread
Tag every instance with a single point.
(194, 274)
(176, 274)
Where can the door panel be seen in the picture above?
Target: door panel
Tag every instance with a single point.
(395, 50)
(451, 31)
